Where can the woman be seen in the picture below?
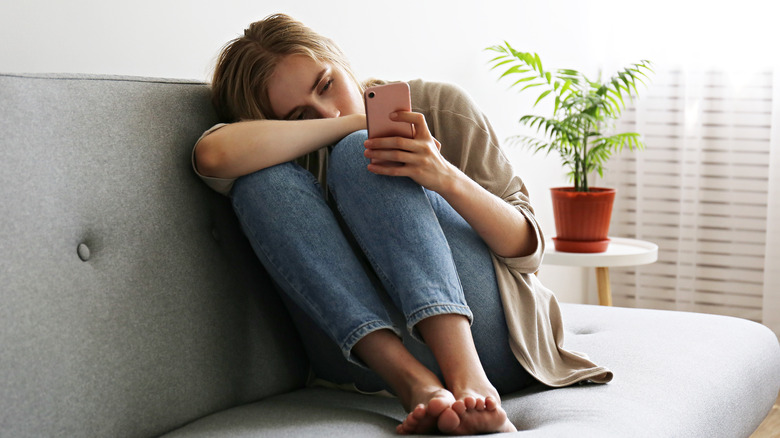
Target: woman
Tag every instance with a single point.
(449, 233)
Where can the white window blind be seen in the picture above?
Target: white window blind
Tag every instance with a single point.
(699, 191)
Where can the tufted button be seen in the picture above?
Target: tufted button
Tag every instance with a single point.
(585, 331)
(83, 251)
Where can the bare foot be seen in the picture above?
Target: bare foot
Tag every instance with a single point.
(424, 416)
(475, 415)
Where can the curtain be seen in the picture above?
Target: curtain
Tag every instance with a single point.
(707, 191)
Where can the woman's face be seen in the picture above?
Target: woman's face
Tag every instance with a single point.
(303, 88)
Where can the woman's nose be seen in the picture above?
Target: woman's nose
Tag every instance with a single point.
(328, 111)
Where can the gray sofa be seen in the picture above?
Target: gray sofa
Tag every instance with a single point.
(132, 306)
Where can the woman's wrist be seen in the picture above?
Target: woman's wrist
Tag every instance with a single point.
(355, 122)
(454, 184)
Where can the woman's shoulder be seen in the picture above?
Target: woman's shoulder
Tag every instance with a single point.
(434, 92)
(446, 102)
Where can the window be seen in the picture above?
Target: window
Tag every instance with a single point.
(701, 191)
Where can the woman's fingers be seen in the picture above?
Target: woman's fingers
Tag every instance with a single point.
(394, 154)
(416, 119)
(418, 158)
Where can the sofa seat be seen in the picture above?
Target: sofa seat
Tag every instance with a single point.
(677, 374)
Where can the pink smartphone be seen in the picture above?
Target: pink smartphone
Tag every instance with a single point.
(382, 100)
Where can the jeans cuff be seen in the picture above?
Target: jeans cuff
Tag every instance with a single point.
(360, 333)
(434, 310)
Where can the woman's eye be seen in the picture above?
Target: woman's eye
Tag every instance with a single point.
(327, 85)
(298, 115)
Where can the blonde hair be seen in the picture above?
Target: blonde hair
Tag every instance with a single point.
(239, 86)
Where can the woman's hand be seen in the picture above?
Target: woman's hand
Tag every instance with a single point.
(505, 230)
(418, 158)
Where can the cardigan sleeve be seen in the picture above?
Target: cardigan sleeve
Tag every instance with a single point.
(469, 142)
(220, 185)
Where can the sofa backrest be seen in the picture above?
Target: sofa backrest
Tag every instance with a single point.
(130, 302)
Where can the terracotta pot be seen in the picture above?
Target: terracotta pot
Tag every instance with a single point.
(582, 218)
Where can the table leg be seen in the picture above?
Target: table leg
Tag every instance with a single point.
(605, 292)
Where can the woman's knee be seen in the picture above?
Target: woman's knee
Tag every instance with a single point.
(347, 156)
(352, 142)
(283, 176)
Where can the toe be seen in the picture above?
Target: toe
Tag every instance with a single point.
(459, 407)
(418, 413)
(410, 423)
(437, 405)
(448, 421)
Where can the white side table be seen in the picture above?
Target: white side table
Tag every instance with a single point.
(621, 252)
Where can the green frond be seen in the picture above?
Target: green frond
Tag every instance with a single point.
(504, 61)
(537, 62)
(542, 96)
(565, 87)
(511, 70)
(582, 110)
(525, 79)
(531, 86)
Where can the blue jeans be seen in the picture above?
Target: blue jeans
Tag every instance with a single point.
(384, 254)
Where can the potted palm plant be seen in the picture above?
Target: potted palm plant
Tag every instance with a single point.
(579, 131)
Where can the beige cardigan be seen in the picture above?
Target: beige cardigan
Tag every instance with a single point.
(531, 310)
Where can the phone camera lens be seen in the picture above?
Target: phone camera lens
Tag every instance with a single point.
(371, 95)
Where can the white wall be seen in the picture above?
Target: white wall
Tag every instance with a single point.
(433, 39)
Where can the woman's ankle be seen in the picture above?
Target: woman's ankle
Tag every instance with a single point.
(385, 354)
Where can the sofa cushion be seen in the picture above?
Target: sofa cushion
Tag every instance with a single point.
(131, 304)
(676, 374)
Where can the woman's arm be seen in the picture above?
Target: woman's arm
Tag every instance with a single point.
(503, 228)
(245, 147)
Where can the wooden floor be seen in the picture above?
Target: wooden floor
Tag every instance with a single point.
(770, 428)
